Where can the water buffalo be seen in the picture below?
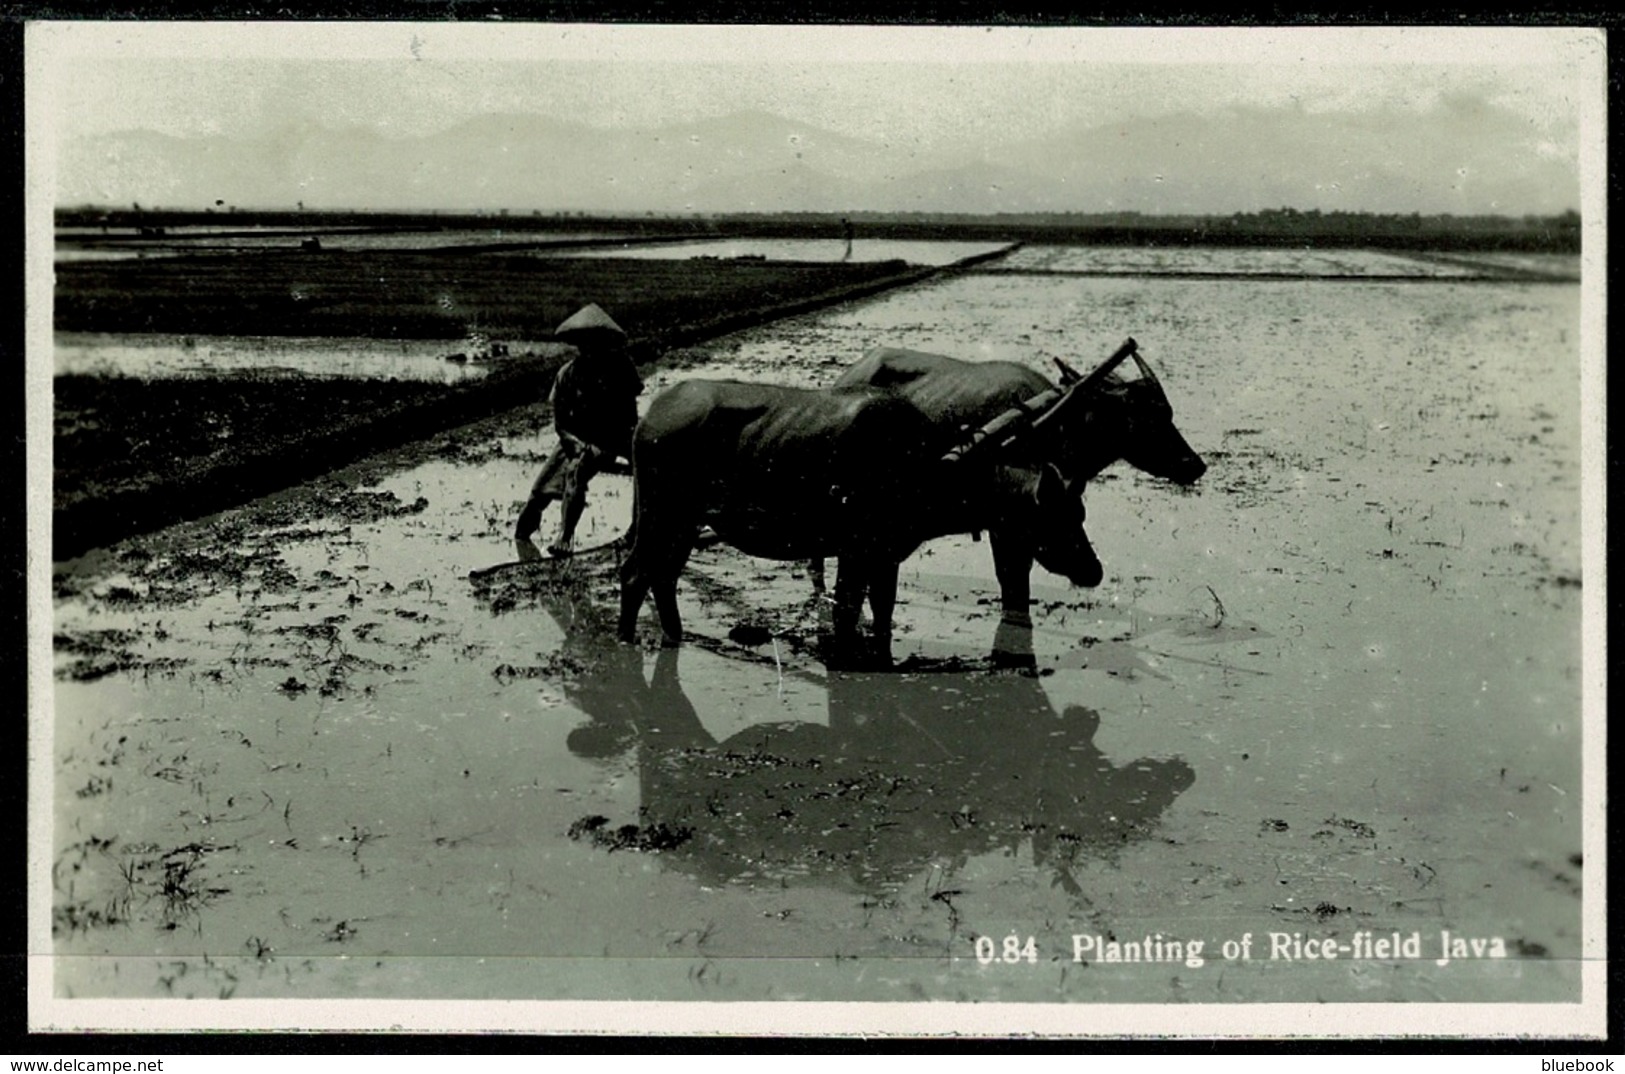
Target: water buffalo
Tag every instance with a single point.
(794, 473)
(1110, 419)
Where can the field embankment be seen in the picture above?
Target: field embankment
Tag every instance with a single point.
(133, 454)
(423, 295)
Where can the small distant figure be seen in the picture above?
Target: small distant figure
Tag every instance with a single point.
(846, 226)
(595, 409)
(312, 245)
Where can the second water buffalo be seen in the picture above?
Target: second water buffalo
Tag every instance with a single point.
(793, 474)
(1102, 418)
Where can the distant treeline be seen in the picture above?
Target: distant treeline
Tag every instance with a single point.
(1270, 227)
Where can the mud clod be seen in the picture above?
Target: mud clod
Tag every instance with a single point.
(1359, 829)
(648, 838)
(750, 635)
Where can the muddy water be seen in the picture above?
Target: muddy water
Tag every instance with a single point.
(1331, 693)
(1240, 261)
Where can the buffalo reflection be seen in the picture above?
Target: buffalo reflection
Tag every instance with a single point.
(924, 765)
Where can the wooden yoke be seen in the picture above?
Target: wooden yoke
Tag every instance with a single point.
(1034, 414)
(1007, 426)
(1087, 384)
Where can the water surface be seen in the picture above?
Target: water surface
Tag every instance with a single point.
(1333, 691)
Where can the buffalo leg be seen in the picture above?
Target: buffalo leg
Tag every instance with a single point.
(644, 571)
(638, 579)
(665, 527)
(883, 596)
(671, 620)
(1013, 564)
(634, 588)
(634, 584)
(851, 586)
(665, 589)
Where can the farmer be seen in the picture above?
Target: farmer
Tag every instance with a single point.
(594, 412)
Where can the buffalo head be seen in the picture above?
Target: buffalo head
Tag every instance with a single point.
(1060, 543)
(1140, 417)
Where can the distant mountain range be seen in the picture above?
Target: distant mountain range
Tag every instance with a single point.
(1467, 161)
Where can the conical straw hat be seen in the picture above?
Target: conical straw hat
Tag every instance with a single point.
(589, 323)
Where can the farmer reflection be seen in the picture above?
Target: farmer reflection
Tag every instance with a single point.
(595, 409)
(915, 769)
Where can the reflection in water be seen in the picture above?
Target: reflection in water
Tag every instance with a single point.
(927, 765)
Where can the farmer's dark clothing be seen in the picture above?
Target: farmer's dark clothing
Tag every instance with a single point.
(595, 411)
(595, 400)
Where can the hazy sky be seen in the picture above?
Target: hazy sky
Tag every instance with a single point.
(907, 87)
(866, 81)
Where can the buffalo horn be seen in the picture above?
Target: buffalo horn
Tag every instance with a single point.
(1077, 389)
(1145, 371)
(1103, 370)
(1070, 376)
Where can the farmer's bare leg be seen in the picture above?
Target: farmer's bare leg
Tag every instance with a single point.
(575, 499)
(530, 517)
(525, 551)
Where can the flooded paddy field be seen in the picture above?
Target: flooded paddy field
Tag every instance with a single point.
(349, 741)
(921, 252)
(1291, 263)
(159, 355)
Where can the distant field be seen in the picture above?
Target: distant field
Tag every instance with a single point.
(133, 452)
(93, 244)
(1227, 261)
(824, 251)
(1271, 227)
(1258, 261)
(424, 295)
